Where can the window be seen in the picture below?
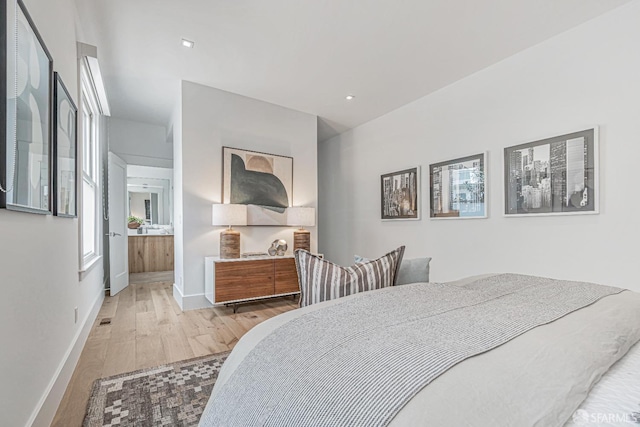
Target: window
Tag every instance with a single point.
(90, 226)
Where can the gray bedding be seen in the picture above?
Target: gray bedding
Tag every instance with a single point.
(328, 345)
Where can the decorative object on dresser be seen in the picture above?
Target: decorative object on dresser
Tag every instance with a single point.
(278, 247)
(458, 187)
(400, 194)
(301, 217)
(245, 279)
(229, 215)
(553, 176)
(322, 280)
(263, 182)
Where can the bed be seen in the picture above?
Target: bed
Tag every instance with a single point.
(539, 377)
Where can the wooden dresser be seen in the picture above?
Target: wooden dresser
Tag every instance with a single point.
(243, 279)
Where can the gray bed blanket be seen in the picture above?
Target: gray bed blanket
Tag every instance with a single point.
(359, 362)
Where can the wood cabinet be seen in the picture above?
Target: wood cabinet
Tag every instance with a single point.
(233, 280)
(286, 276)
(150, 253)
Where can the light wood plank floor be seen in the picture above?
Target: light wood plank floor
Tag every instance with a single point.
(148, 329)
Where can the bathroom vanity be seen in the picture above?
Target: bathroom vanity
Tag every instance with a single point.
(150, 252)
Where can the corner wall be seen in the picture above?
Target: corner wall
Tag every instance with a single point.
(134, 141)
(586, 76)
(39, 272)
(211, 119)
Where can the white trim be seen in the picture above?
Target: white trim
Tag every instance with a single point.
(88, 266)
(89, 101)
(190, 302)
(46, 408)
(98, 84)
(177, 295)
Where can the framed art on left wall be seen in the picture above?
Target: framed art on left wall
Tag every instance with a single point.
(25, 135)
(65, 149)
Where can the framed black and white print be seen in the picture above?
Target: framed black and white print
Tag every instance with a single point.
(262, 181)
(65, 150)
(25, 138)
(400, 194)
(458, 187)
(553, 176)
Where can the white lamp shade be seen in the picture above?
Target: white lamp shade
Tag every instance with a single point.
(228, 214)
(301, 217)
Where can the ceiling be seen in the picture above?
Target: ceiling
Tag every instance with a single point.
(308, 55)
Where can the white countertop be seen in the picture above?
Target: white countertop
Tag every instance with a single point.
(134, 234)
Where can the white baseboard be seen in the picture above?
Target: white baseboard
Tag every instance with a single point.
(190, 302)
(48, 404)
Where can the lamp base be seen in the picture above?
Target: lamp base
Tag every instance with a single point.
(229, 244)
(302, 240)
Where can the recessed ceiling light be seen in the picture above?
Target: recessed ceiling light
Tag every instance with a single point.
(187, 43)
(350, 97)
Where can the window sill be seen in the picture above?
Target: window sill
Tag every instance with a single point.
(88, 266)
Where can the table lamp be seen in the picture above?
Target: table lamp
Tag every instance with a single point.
(229, 215)
(301, 217)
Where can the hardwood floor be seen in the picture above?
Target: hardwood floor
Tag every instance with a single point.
(148, 329)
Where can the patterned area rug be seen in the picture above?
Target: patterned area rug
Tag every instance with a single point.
(168, 395)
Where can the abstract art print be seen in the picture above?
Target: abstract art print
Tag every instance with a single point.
(25, 150)
(458, 188)
(65, 150)
(553, 176)
(400, 194)
(262, 181)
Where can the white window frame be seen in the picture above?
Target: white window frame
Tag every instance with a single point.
(89, 257)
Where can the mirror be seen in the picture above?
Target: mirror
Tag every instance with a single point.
(150, 199)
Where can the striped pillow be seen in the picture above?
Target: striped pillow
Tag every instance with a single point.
(322, 280)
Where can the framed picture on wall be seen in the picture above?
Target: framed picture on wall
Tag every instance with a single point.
(553, 176)
(262, 181)
(458, 187)
(65, 150)
(400, 194)
(25, 132)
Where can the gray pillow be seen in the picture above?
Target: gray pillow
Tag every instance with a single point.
(411, 270)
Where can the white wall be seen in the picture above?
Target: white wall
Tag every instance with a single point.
(39, 272)
(211, 119)
(178, 238)
(587, 76)
(139, 143)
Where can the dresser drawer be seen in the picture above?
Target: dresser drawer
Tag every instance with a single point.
(286, 276)
(243, 280)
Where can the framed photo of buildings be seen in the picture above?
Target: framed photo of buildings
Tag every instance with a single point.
(400, 194)
(458, 188)
(553, 176)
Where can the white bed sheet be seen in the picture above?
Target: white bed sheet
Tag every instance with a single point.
(615, 400)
